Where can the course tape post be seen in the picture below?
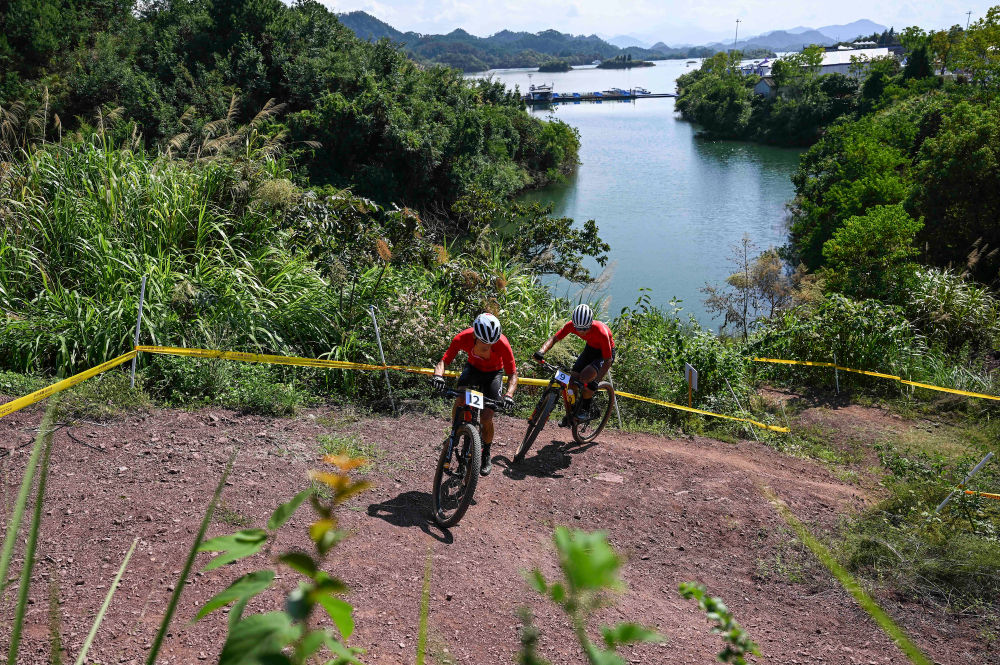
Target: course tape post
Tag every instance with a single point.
(342, 364)
(48, 391)
(880, 375)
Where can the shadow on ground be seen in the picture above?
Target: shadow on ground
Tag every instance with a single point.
(411, 509)
(545, 462)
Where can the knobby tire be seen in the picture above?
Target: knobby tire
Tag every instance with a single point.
(465, 434)
(536, 424)
(581, 431)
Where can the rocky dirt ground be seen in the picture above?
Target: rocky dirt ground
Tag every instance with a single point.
(677, 509)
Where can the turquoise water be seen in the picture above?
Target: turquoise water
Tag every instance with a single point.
(670, 205)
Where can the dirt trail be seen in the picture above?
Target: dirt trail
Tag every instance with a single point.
(679, 510)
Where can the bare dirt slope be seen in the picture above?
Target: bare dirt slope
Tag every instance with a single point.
(688, 509)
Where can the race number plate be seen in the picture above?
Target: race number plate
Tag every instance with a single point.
(563, 378)
(474, 398)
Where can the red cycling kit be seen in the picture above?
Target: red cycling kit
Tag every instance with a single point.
(501, 356)
(597, 336)
(600, 347)
(484, 373)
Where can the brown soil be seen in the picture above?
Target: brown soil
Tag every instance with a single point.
(688, 509)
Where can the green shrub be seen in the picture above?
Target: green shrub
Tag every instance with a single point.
(103, 397)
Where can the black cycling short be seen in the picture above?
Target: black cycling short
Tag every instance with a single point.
(488, 383)
(592, 356)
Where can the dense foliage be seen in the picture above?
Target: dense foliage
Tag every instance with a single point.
(355, 113)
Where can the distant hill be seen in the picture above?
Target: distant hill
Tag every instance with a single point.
(625, 41)
(504, 49)
(369, 28)
(793, 39)
(782, 40)
(850, 31)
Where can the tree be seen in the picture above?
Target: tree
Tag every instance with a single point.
(918, 64)
(913, 37)
(871, 255)
(943, 43)
(957, 189)
(758, 289)
(980, 50)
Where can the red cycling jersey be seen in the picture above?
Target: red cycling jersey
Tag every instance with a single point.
(500, 356)
(597, 336)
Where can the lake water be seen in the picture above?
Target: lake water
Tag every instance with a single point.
(670, 205)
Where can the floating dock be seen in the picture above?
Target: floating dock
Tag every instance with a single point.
(543, 94)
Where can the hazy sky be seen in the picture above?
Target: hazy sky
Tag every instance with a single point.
(669, 20)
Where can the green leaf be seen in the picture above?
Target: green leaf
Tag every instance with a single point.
(345, 655)
(236, 613)
(310, 644)
(299, 602)
(600, 657)
(286, 510)
(340, 611)
(537, 581)
(557, 592)
(258, 637)
(627, 633)
(244, 588)
(234, 547)
(587, 560)
(300, 562)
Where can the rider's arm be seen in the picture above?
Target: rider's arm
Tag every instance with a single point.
(449, 355)
(561, 333)
(509, 367)
(512, 384)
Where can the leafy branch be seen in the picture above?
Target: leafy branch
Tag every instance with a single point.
(738, 642)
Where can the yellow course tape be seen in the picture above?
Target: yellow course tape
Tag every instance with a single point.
(671, 405)
(879, 375)
(39, 395)
(986, 494)
(341, 364)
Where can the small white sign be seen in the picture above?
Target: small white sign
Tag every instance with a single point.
(563, 378)
(474, 398)
(691, 375)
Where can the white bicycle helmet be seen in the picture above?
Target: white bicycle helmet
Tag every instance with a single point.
(583, 317)
(486, 328)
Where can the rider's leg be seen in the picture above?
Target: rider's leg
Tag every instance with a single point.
(487, 423)
(491, 387)
(588, 375)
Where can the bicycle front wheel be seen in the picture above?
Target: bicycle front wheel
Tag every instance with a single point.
(455, 479)
(601, 406)
(536, 423)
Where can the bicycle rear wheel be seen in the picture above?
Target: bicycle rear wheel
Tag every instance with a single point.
(455, 480)
(536, 423)
(601, 406)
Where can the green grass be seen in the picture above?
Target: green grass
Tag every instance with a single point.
(103, 398)
(353, 446)
(226, 515)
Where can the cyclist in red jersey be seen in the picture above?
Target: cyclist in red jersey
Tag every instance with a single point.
(489, 356)
(597, 356)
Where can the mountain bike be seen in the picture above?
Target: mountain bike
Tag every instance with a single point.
(567, 383)
(461, 458)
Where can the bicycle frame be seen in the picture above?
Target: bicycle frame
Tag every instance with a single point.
(459, 418)
(574, 383)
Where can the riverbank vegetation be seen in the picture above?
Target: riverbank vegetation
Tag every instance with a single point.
(893, 235)
(623, 62)
(554, 66)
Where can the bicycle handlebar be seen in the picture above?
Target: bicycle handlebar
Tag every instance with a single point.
(496, 405)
